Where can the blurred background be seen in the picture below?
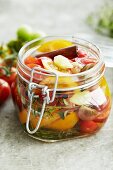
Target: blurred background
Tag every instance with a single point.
(52, 17)
(17, 150)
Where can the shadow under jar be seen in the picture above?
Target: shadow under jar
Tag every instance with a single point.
(53, 106)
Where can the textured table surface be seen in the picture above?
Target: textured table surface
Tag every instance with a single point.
(17, 150)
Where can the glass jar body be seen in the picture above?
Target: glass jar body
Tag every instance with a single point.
(75, 113)
(82, 101)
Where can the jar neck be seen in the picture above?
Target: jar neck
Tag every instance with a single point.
(83, 79)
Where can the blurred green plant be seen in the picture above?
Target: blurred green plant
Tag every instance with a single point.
(9, 51)
(102, 19)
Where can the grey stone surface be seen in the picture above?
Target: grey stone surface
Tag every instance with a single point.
(17, 150)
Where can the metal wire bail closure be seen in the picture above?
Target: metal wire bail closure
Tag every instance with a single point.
(45, 92)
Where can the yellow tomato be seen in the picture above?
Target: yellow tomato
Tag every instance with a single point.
(104, 86)
(54, 45)
(64, 124)
(63, 82)
(23, 116)
(46, 120)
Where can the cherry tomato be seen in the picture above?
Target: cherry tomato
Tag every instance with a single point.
(15, 95)
(4, 91)
(88, 126)
(11, 77)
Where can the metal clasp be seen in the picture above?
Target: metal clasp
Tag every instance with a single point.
(45, 92)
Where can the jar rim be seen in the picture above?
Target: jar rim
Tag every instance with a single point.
(91, 70)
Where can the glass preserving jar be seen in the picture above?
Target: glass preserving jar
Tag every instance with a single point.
(53, 106)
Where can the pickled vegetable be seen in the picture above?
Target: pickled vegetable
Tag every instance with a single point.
(74, 112)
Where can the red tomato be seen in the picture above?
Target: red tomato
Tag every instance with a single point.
(11, 77)
(36, 76)
(16, 96)
(89, 60)
(4, 91)
(88, 126)
(39, 61)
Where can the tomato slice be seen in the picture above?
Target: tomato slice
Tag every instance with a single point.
(88, 126)
(30, 60)
(81, 54)
(39, 62)
(33, 60)
(88, 61)
(32, 65)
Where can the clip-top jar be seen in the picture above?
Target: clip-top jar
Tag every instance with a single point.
(58, 105)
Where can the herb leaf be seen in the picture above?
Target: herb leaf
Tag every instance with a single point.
(61, 115)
